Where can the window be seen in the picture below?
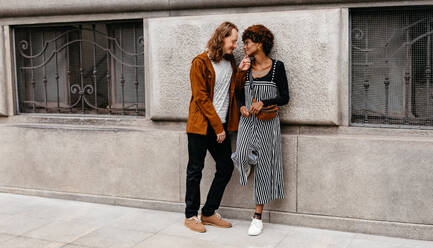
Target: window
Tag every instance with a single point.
(87, 68)
(391, 62)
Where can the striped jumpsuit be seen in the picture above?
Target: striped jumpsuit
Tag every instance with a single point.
(263, 136)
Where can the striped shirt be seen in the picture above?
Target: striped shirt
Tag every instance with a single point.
(221, 98)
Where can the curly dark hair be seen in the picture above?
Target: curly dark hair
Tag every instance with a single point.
(260, 34)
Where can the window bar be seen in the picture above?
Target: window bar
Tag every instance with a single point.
(94, 67)
(122, 79)
(428, 71)
(23, 78)
(81, 92)
(32, 76)
(407, 76)
(406, 103)
(135, 72)
(108, 74)
(386, 82)
(366, 86)
(44, 79)
(366, 82)
(57, 75)
(68, 72)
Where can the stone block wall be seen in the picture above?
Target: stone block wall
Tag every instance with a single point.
(337, 176)
(308, 42)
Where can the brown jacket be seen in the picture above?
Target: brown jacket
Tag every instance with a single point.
(201, 110)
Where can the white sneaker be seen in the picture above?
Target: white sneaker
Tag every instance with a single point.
(256, 227)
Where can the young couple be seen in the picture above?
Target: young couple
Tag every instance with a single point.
(227, 98)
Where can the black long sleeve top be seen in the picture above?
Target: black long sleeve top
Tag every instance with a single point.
(280, 78)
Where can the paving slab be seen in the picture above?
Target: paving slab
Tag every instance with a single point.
(90, 225)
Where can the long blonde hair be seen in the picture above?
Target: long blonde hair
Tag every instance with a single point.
(216, 41)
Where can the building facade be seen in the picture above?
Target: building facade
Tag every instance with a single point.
(94, 99)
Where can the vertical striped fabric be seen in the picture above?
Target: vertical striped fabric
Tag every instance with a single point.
(263, 136)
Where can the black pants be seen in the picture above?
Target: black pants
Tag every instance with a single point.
(221, 153)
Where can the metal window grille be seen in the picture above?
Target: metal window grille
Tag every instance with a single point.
(391, 58)
(86, 68)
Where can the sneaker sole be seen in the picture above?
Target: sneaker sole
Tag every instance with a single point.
(211, 224)
(194, 230)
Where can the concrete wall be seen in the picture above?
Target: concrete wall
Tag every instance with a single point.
(349, 179)
(366, 177)
(308, 42)
(99, 161)
(3, 91)
(369, 180)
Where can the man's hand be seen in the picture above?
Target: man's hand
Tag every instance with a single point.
(221, 137)
(256, 107)
(245, 63)
(244, 112)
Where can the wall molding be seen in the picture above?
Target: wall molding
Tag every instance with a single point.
(46, 7)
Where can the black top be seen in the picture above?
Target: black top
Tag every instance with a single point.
(280, 80)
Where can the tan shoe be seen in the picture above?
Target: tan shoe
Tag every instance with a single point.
(215, 220)
(195, 224)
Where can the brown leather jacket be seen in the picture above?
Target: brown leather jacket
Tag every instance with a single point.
(201, 110)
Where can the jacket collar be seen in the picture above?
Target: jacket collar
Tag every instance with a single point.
(205, 58)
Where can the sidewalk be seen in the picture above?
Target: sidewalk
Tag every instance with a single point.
(34, 222)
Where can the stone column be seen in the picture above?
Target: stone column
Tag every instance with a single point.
(3, 85)
(6, 78)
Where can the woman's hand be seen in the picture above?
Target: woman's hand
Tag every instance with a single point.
(244, 112)
(221, 137)
(256, 107)
(245, 63)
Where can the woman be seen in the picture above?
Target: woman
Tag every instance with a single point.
(259, 141)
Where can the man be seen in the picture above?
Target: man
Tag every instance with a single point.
(213, 111)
